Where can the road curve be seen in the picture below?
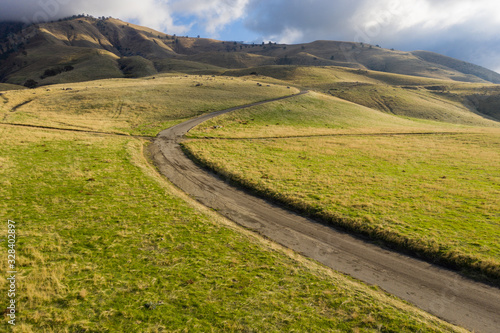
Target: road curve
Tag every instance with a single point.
(441, 292)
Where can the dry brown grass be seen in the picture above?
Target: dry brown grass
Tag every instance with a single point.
(133, 106)
(86, 263)
(419, 185)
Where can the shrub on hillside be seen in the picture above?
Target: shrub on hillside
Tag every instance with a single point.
(31, 84)
(55, 71)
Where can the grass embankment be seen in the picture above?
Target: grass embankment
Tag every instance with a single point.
(131, 106)
(434, 194)
(105, 245)
(7, 87)
(312, 114)
(416, 102)
(403, 95)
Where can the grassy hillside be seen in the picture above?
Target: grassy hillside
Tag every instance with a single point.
(461, 66)
(359, 55)
(313, 114)
(106, 244)
(232, 60)
(135, 67)
(112, 45)
(133, 106)
(88, 64)
(185, 66)
(426, 189)
(486, 104)
(402, 95)
(417, 103)
(6, 87)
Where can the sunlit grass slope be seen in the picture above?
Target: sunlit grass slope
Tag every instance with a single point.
(322, 77)
(6, 87)
(433, 189)
(89, 64)
(104, 244)
(133, 106)
(418, 103)
(312, 114)
(403, 95)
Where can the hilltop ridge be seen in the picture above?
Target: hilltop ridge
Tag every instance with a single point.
(86, 48)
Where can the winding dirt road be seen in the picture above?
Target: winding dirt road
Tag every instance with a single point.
(441, 292)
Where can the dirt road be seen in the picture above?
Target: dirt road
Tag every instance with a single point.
(441, 292)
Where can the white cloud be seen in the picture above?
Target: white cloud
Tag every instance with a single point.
(154, 13)
(213, 15)
(289, 36)
(430, 16)
(446, 26)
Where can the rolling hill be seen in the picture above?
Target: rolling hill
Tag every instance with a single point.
(84, 48)
(400, 147)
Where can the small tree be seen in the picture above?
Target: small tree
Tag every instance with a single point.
(31, 84)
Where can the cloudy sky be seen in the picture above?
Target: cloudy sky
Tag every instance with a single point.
(464, 29)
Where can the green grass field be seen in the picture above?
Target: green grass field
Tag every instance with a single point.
(404, 95)
(313, 114)
(131, 106)
(105, 244)
(432, 188)
(7, 87)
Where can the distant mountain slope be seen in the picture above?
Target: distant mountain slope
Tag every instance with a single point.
(458, 65)
(85, 48)
(363, 56)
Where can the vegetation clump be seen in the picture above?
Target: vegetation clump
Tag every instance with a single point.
(57, 70)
